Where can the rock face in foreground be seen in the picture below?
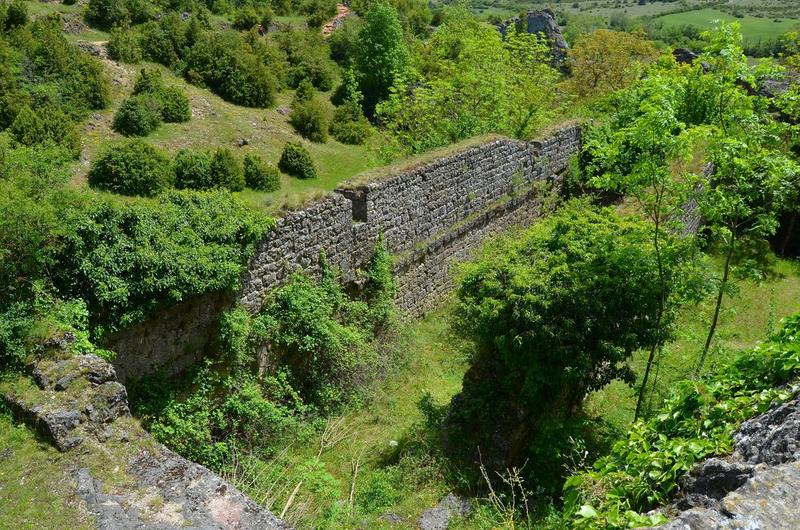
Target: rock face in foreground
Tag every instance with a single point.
(76, 404)
(757, 487)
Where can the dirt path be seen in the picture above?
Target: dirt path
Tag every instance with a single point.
(342, 12)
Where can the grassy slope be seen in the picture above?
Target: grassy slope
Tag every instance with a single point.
(35, 491)
(753, 29)
(744, 321)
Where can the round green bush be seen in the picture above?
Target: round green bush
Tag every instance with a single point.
(349, 125)
(138, 116)
(310, 119)
(149, 81)
(296, 161)
(132, 167)
(192, 170)
(174, 105)
(226, 171)
(260, 176)
(245, 19)
(105, 14)
(16, 14)
(48, 123)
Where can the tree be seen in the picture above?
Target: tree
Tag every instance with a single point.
(607, 60)
(553, 313)
(635, 157)
(750, 185)
(381, 55)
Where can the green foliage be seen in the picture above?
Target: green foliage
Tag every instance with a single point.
(304, 92)
(226, 172)
(305, 53)
(123, 46)
(246, 19)
(474, 82)
(149, 81)
(131, 168)
(49, 124)
(296, 161)
(697, 421)
(127, 259)
(259, 175)
(227, 65)
(349, 125)
(174, 105)
(381, 56)
(16, 15)
(105, 14)
(192, 170)
(553, 314)
(138, 116)
(310, 118)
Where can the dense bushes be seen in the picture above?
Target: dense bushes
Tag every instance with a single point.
(260, 176)
(226, 171)
(183, 244)
(131, 168)
(697, 421)
(151, 103)
(225, 65)
(138, 116)
(296, 161)
(123, 46)
(311, 118)
(49, 124)
(553, 314)
(192, 170)
(349, 125)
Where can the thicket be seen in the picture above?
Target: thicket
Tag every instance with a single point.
(132, 167)
(40, 70)
(259, 175)
(308, 352)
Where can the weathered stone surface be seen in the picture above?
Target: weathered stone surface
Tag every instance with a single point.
(757, 487)
(438, 518)
(542, 22)
(172, 493)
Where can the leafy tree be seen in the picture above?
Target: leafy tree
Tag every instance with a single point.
(749, 187)
(607, 60)
(381, 55)
(192, 170)
(635, 156)
(553, 313)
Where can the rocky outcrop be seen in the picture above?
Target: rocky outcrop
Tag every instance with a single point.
(757, 487)
(438, 517)
(544, 23)
(74, 401)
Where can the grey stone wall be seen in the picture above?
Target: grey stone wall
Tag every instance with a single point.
(431, 216)
(428, 215)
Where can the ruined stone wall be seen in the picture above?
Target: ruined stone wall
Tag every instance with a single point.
(431, 216)
(428, 215)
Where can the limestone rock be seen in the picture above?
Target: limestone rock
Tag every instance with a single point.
(438, 518)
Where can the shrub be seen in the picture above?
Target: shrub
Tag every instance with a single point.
(310, 119)
(16, 15)
(192, 170)
(174, 105)
(48, 124)
(296, 161)
(138, 116)
(245, 19)
(149, 81)
(260, 176)
(349, 125)
(304, 92)
(105, 14)
(226, 171)
(164, 41)
(132, 167)
(123, 46)
(229, 68)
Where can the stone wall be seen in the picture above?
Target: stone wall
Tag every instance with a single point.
(431, 216)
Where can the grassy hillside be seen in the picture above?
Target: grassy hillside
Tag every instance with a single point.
(753, 28)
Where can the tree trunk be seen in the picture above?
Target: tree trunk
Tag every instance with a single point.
(720, 294)
(788, 235)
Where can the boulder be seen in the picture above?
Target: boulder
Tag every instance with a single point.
(438, 517)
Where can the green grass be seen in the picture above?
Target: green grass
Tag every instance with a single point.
(35, 489)
(746, 319)
(754, 29)
(217, 123)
